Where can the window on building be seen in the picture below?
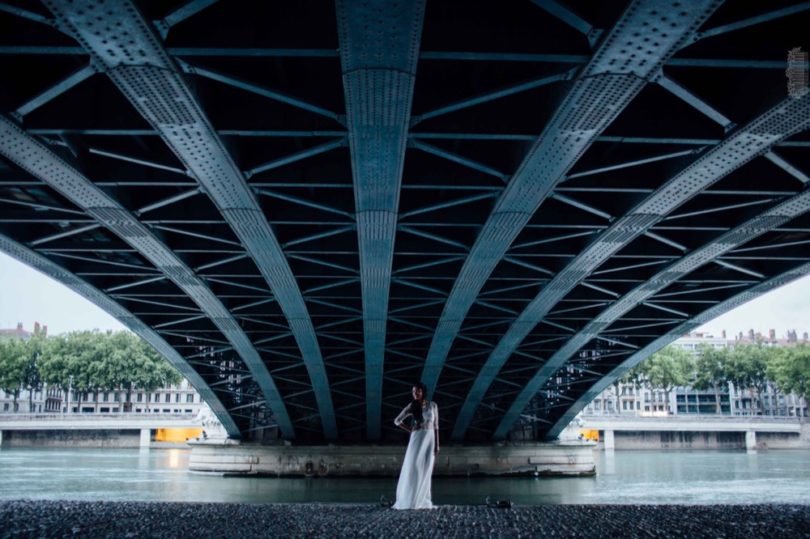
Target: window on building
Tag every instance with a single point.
(139, 397)
(177, 397)
(103, 397)
(5, 407)
(190, 397)
(167, 398)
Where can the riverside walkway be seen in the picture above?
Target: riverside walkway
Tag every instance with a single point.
(143, 423)
(749, 426)
(96, 421)
(143, 519)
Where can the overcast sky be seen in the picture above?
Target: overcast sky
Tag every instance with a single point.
(27, 296)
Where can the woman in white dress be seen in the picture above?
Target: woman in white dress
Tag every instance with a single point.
(413, 489)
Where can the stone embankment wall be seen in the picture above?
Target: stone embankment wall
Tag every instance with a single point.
(630, 440)
(123, 438)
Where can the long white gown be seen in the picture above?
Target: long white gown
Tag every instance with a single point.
(413, 489)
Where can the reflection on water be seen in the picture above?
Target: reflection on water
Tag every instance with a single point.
(624, 477)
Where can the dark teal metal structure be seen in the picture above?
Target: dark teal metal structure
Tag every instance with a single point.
(308, 206)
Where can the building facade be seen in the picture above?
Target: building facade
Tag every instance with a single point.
(627, 398)
(173, 399)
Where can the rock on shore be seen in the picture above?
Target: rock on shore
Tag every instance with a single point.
(26, 518)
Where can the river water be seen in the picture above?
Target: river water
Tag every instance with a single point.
(625, 477)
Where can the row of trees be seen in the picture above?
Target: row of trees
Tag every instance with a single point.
(82, 362)
(752, 367)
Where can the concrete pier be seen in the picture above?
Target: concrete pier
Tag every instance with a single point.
(546, 459)
(751, 440)
(610, 440)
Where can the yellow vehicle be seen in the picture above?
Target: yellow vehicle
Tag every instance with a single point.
(590, 435)
(176, 435)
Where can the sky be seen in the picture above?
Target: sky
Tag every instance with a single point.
(28, 296)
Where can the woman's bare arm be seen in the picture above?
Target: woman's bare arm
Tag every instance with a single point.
(400, 420)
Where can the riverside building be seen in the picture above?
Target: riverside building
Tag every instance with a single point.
(627, 398)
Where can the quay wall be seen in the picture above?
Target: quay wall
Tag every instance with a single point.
(680, 439)
(111, 438)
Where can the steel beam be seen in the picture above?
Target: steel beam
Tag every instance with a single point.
(259, 90)
(38, 160)
(187, 10)
(755, 139)
(129, 320)
(565, 15)
(156, 88)
(672, 335)
(605, 86)
(492, 96)
(752, 21)
(56, 90)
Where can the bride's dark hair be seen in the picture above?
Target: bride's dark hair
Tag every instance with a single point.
(416, 406)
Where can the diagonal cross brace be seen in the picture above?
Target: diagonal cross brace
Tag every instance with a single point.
(744, 233)
(674, 334)
(33, 157)
(740, 235)
(136, 325)
(379, 48)
(754, 139)
(156, 88)
(628, 59)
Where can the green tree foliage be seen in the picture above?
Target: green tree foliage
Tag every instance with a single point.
(712, 371)
(32, 380)
(667, 369)
(86, 361)
(748, 365)
(790, 370)
(13, 367)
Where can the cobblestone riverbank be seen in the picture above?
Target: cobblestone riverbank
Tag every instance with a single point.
(164, 520)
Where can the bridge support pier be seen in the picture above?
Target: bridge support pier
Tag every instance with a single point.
(146, 437)
(609, 440)
(750, 440)
(547, 459)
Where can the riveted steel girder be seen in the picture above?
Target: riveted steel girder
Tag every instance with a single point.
(32, 156)
(628, 58)
(379, 46)
(523, 223)
(138, 64)
(710, 314)
(133, 323)
(755, 139)
(768, 220)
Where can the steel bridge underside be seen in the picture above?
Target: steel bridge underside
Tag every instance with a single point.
(309, 206)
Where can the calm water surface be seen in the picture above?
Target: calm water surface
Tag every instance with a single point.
(624, 478)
